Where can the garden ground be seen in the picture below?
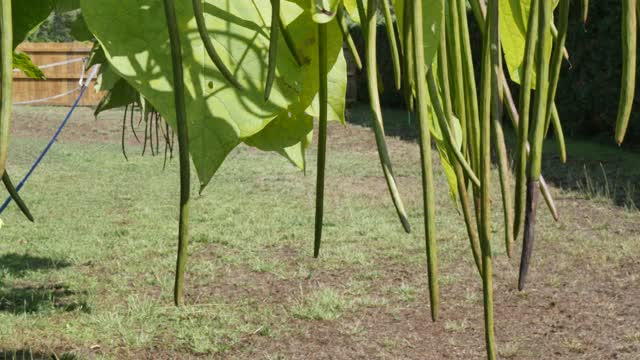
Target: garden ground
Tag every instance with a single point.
(93, 277)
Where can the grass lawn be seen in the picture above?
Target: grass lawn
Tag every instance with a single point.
(93, 277)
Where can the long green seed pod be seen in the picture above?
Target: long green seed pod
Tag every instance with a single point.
(473, 118)
(408, 55)
(124, 128)
(288, 39)
(273, 47)
(446, 132)
(455, 56)
(628, 87)
(515, 120)
(585, 11)
(556, 59)
(559, 133)
(393, 44)
(341, 17)
(322, 136)
(489, 98)
(6, 67)
(443, 70)
(535, 161)
(512, 111)
(425, 154)
(498, 132)
(524, 110)
(8, 184)
(377, 115)
(208, 44)
(183, 143)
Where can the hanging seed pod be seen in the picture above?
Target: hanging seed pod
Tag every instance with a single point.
(198, 11)
(183, 142)
(393, 44)
(341, 18)
(273, 47)
(443, 71)
(288, 39)
(124, 130)
(322, 136)
(539, 117)
(8, 184)
(524, 110)
(559, 133)
(133, 128)
(446, 132)
(408, 55)
(378, 127)
(455, 56)
(471, 96)
(6, 67)
(490, 97)
(585, 11)
(425, 156)
(629, 48)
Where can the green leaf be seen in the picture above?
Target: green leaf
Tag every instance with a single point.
(135, 40)
(23, 62)
(67, 5)
(514, 18)
(120, 95)
(27, 17)
(79, 29)
(351, 6)
(287, 135)
(324, 10)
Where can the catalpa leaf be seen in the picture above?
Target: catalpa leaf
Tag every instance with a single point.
(514, 18)
(135, 40)
(27, 17)
(23, 62)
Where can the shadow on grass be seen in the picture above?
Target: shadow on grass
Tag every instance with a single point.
(24, 354)
(596, 170)
(17, 265)
(21, 298)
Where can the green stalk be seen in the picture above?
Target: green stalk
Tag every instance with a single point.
(556, 66)
(344, 28)
(183, 144)
(489, 98)
(585, 11)
(539, 116)
(408, 55)
(629, 45)
(6, 67)
(322, 136)
(473, 119)
(273, 48)
(425, 152)
(498, 132)
(288, 39)
(393, 44)
(523, 126)
(457, 83)
(444, 126)
(378, 127)
(16, 196)
(443, 69)
(208, 44)
(512, 111)
(559, 133)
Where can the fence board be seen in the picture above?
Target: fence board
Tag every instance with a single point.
(60, 79)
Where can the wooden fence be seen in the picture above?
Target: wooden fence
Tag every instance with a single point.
(60, 79)
(64, 78)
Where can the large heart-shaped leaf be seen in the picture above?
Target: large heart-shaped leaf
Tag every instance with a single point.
(27, 16)
(514, 17)
(135, 40)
